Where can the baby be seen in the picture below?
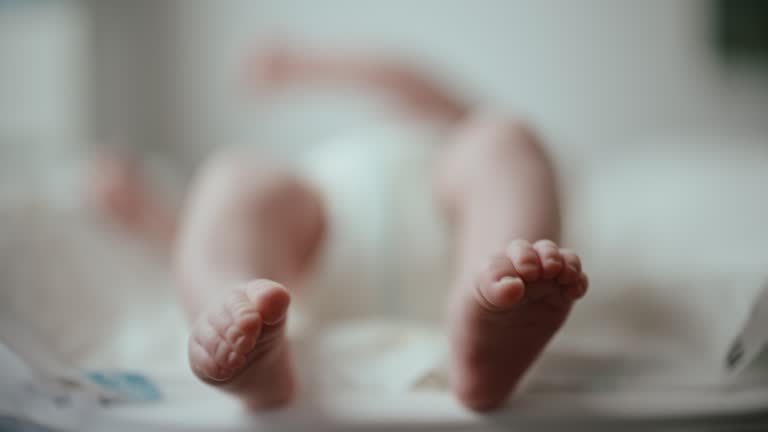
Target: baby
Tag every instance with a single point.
(251, 230)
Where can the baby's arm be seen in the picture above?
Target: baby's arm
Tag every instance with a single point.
(121, 193)
(413, 92)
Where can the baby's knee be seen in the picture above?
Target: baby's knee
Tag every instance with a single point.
(260, 187)
(500, 135)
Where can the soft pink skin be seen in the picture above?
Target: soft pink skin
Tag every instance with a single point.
(247, 224)
(509, 297)
(120, 192)
(238, 344)
(501, 325)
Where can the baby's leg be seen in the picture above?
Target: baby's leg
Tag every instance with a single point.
(511, 296)
(413, 92)
(246, 226)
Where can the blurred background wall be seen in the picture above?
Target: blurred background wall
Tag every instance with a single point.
(167, 76)
(591, 74)
(44, 90)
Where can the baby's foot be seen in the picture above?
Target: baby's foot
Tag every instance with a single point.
(503, 321)
(238, 345)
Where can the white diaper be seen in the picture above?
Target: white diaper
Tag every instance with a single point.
(387, 249)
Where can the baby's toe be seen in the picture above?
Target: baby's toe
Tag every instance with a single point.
(525, 259)
(549, 256)
(498, 266)
(498, 285)
(578, 289)
(502, 294)
(272, 300)
(571, 267)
